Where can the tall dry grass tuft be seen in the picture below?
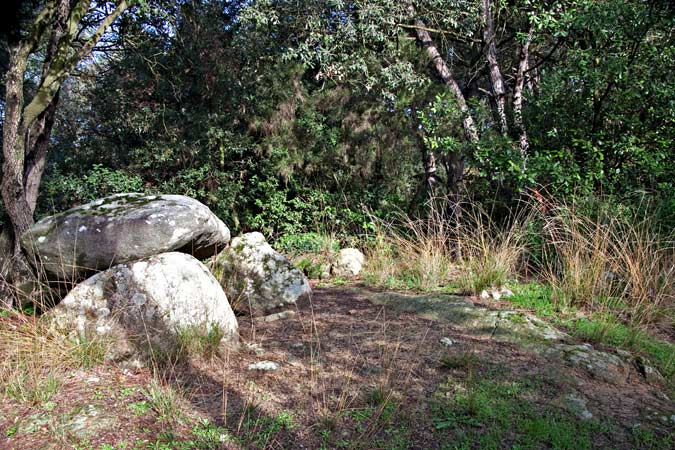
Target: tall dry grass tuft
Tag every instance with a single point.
(415, 253)
(609, 262)
(34, 356)
(470, 250)
(490, 253)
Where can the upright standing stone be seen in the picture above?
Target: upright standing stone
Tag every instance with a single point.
(256, 277)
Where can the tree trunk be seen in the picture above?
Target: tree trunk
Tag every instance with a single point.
(26, 129)
(35, 165)
(493, 65)
(446, 75)
(36, 153)
(13, 146)
(523, 59)
(429, 162)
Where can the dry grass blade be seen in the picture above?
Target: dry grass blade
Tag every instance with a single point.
(470, 249)
(608, 262)
(490, 253)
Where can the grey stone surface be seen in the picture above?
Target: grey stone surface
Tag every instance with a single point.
(447, 342)
(601, 365)
(282, 315)
(510, 326)
(142, 306)
(348, 263)
(123, 228)
(264, 366)
(256, 278)
(576, 405)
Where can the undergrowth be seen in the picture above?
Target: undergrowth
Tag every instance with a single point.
(34, 357)
(592, 259)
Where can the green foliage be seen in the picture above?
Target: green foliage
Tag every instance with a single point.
(35, 390)
(163, 400)
(199, 340)
(604, 114)
(306, 243)
(88, 352)
(61, 191)
(258, 429)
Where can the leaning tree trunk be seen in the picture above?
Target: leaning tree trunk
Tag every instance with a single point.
(27, 127)
(444, 72)
(41, 130)
(13, 146)
(496, 78)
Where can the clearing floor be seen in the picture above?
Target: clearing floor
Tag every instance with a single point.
(351, 374)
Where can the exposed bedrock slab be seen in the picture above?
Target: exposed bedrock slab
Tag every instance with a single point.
(510, 326)
(123, 228)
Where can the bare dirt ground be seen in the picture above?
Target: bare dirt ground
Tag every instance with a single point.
(351, 375)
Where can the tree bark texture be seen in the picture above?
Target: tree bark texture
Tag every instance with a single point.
(523, 62)
(496, 78)
(27, 127)
(445, 73)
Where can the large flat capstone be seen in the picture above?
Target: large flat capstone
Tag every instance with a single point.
(123, 228)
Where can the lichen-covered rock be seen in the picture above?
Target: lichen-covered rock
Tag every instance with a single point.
(348, 263)
(510, 326)
(81, 422)
(601, 365)
(143, 306)
(123, 228)
(257, 278)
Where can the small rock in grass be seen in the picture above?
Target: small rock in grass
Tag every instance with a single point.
(349, 263)
(506, 292)
(496, 293)
(650, 374)
(577, 406)
(283, 315)
(264, 365)
(255, 348)
(447, 342)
